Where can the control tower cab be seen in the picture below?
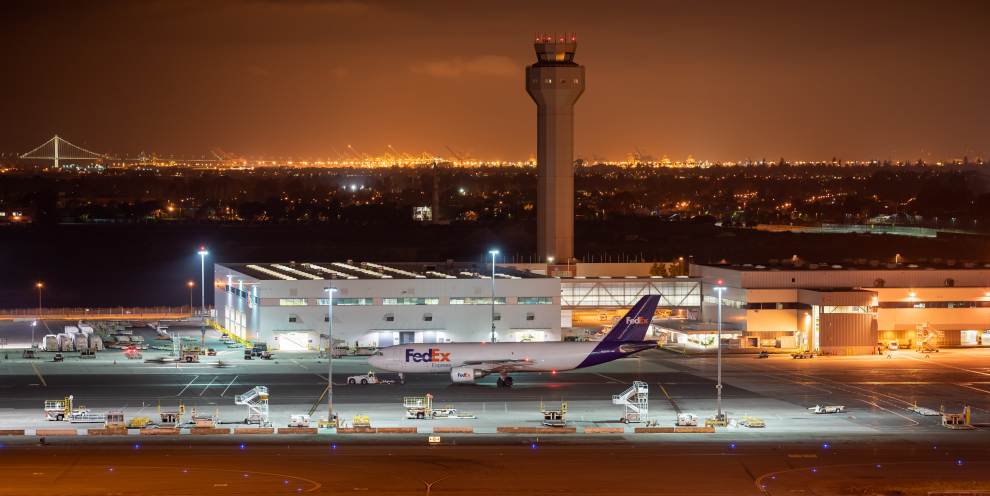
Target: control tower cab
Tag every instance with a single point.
(555, 82)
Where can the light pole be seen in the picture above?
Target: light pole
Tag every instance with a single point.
(191, 286)
(494, 254)
(719, 416)
(39, 285)
(330, 292)
(202, 278)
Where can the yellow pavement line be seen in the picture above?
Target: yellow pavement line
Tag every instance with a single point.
(947, 365)
(38, 373)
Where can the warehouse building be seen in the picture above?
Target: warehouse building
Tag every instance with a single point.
(285, 305)
(838, 309)
(851, 308)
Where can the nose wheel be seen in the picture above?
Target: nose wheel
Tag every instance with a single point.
(504, 380)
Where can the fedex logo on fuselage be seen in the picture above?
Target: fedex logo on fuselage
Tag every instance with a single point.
(637, 320)
(430, 355)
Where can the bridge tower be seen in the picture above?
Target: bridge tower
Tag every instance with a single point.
(57, 149)
(555, 82)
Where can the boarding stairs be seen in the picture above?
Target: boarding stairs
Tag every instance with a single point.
(256, 401)
(636, 402)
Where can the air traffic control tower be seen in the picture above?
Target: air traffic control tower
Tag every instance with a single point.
(555, 82)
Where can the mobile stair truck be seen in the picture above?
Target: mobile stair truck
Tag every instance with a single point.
(636, 401)
(256, 401)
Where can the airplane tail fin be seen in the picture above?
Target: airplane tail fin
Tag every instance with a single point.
(633, 326)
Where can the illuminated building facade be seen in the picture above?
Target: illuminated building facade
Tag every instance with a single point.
(841, 309)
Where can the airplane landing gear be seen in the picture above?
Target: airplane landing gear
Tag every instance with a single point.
(504, 380)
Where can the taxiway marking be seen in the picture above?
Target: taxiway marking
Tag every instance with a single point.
(187, 385)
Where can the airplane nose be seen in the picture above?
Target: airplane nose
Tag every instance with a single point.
(374, 361)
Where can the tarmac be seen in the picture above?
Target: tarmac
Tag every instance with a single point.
(877, 391)
(536, 467)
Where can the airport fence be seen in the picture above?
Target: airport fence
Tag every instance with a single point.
(106, 313)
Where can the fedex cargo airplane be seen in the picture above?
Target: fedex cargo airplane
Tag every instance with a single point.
(468, 362)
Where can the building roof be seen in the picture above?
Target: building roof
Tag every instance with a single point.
(803, 265)
(289, 271)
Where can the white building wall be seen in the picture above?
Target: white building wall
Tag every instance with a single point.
(364, 325)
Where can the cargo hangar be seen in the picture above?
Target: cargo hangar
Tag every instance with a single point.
(825, 308)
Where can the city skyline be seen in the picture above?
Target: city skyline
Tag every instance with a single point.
(721, 82)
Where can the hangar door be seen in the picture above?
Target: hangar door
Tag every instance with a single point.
(293, 341)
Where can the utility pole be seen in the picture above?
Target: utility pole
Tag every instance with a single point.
(494, 254)
(202, 279)
(191, 286)
(719, 416)
(38, 285)
(330, 292)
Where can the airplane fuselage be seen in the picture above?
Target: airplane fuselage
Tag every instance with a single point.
(523, 357)
(467, 362)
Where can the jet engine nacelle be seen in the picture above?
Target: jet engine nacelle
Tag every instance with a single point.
(466, 374)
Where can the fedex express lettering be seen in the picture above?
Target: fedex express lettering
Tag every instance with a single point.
(637, 320)
(431, 355)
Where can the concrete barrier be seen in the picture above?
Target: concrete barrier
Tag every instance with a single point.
(708, 428)
(55, 432)
(11, 432)
(167, 431)
(208, 431)
(297, 430)
(653, 430)
(536, 430)
(453, 430)
(356, 430)
(396, 430)
(106, 432)
(668, 430)
(254, 430)
(604, 430)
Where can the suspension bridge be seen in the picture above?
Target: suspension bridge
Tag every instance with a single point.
(57, 149)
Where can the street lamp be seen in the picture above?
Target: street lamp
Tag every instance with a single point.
(719, 416)
(191, 286)
(330, 292)
(202, 278)
(39, 285)
(494, 254)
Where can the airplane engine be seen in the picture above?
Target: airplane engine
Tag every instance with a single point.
(466, 374)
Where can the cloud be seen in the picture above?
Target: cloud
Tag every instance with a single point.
(484, 65)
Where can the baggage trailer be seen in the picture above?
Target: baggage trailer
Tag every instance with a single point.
(421, 407)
